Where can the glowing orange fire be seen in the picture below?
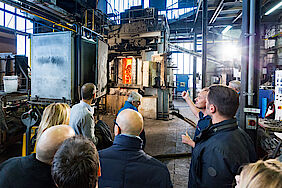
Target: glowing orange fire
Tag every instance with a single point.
(127, 70)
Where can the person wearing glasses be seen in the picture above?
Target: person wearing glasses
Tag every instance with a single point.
(133, 102)
(125, 164)
(81, 117)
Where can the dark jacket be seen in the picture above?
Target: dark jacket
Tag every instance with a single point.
(203, 123)
(25, 172)
(219, 152)
(126, 165)
(128, 105)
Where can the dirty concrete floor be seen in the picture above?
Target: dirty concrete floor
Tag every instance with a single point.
(164, 137)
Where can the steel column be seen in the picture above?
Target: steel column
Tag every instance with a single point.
(194, 66)
(244, 62)
(204, 41)
(257, 59)
(251, 52)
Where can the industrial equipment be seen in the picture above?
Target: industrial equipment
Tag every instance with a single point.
(278, 95)
(12, 105)
(139, 57)
(57, 72)
(182, 81)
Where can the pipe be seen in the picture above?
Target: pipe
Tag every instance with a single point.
(18, 15)
(173, 155)
(85, 21)
(204, 41)
(251, 52)
(196, 54)
(244, 62)
(44, 18)
(95, 33)
(194, 66)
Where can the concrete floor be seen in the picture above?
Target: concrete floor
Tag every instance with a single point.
(163, 137)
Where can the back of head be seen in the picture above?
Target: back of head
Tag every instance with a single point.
(54, 114)
(50, 141)
(87, 91)
(134, 96)
(261, 174)
(225, 99)
(235, 84)
(76, 164)
(130, 122)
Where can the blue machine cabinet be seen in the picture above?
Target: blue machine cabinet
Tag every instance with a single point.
(265, 97)
(182, 82)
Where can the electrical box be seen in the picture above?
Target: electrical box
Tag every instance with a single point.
(278, 95)
(251, 117)
(182, 82)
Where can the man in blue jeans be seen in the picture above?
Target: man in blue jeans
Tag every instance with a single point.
(198, 109)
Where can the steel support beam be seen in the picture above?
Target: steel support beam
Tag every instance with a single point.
(251, 52)
(217, 12)
(198, 10)
(204, 41)
(196, 54)
(194, 66)
(237, 18)
(257, 59)
(244, 62)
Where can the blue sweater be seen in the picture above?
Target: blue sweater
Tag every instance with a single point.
(128, 105)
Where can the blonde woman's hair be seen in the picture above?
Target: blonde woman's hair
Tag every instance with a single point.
(54, 114)
(261, 174)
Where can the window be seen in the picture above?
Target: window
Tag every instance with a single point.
(21, 45)
(11, 21)
(29, 26)
(1, 15)
(20, 24)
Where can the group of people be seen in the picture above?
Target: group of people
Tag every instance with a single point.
(66, 156)
(221, 147)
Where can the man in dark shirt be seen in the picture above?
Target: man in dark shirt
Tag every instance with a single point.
(125, 164)
(199, 110)
(34, 171)
(222, 147)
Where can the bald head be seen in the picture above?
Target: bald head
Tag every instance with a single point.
(130, 122)
(51, 140)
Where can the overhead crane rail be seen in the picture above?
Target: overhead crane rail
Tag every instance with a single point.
(196, 54)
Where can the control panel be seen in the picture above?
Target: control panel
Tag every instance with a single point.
(278, 95)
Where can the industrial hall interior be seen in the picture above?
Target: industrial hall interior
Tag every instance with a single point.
(140, 93)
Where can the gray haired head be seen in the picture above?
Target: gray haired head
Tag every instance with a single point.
(134, 96)
(236, 85)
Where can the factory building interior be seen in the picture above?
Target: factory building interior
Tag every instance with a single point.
(158, 48)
